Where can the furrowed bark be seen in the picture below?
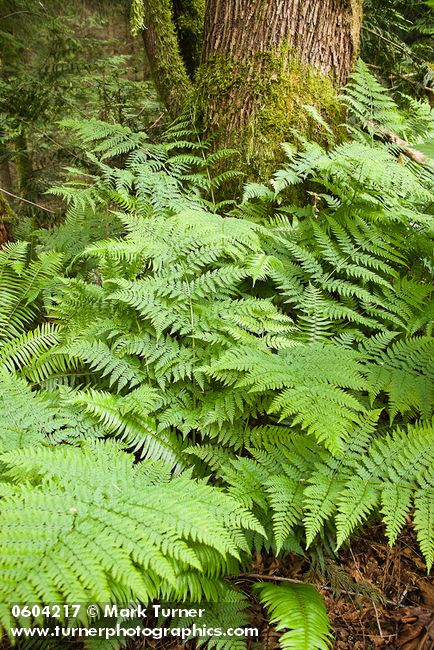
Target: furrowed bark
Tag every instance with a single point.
(321, 33)
(264, 60)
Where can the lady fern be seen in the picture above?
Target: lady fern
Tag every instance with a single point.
(261, 379)
(125, 530)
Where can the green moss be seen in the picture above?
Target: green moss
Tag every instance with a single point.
(281, 110)
(275, 87)
(8, 219)
(137, 16)
(189, 16)
(168, 68)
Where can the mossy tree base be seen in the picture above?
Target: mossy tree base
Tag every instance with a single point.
(256, 106)
(263, 62)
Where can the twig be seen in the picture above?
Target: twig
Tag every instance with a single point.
(20, 198)
(408, 150)
(45, 135)
(259, 576)
(158, 120)
(397, 45)
(14, 13)
(401, 598)
(378, 620)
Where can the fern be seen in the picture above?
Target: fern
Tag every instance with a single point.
(177, 308)
(369, 102)
(263, 376)
(129, 419)
(109, 140)
(113, 541)
(311, 380)
(413, 457)
(298, 485)
(23, 284)
(26, 417)
(405, 371)
(300, 610)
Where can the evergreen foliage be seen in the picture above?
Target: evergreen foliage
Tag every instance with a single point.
(57, 60)
(397, 40)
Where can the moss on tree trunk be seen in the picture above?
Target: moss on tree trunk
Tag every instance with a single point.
(167, 65)
(255, 107)
(8, 219)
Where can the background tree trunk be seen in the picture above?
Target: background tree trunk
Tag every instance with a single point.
(162, 48)
(5, 174)
(264, 60)
(23, 163)
(8, 219)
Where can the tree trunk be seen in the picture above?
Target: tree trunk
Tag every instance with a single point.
(5, 175)
(265, 60)
(162, 48)
(8, 219)
(321, 33)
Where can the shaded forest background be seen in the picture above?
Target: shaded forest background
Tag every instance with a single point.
(82, 61)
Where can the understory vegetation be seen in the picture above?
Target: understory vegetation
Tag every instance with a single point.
(189, 378)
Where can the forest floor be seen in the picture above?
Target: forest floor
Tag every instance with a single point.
(404, 617)
(376, 596)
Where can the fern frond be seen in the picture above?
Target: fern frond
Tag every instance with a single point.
(122, 418)
(398, 461)
(26, 349)
(405, 371)
(368, 100)
(110, 140)
(300, 610)
(424, 518)
(89, 499)
(311, 381)
(26, 417)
